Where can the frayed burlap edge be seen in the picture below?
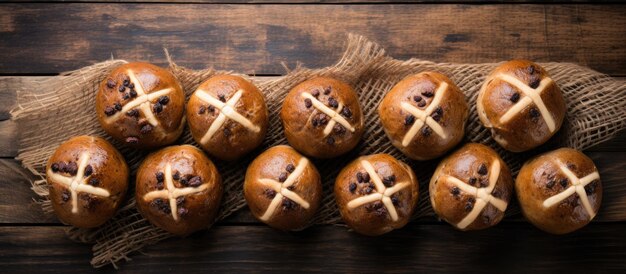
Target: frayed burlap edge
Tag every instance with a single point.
(596, 108)
(66, 109)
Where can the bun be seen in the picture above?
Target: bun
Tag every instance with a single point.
(521, 105)
(376, 194)
(322, 118)
(283, 189)
(424, 115)
(178, 189)
(88, 179)
(471, 188)
(227, 116)
(141, 105)
(559, 191)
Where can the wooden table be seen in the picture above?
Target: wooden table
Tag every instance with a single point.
(45, 38)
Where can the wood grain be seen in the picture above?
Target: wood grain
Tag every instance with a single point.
(8, 139)
(325, 1)
(17, 200)
(50, 38)
(41, 250)
(8, 95)
(421, 247)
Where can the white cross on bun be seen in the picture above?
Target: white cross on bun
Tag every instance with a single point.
(376, 194)
(322, 117)
(227, 116)
(283, 188)
(559, 191)
(521, 105)
(424, 115)
(471, 188)
(141, 105)
(87, 179)
(178, 189)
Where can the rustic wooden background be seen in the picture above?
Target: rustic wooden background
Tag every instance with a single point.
(44, 38)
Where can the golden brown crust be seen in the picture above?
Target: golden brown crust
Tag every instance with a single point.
(108, 171)
(541, 178)
(272, 164)
(131, 126)
(419, 90)
(232, 140)
(304, 124)
(471, 164)
(197, 210)
(527, 129)
(374, 218)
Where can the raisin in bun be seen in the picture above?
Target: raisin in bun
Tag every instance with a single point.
(141, 105)
(376, 194)
(88, 179)
(178, 189)
(227, 116)
(559, 191)
(424, 115)
(283, 188)
(471, 188)
(322, 117)
(521, 105)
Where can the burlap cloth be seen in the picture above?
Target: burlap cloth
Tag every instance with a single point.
(51, 111)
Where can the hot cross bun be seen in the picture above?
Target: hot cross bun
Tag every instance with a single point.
(178, 189)
(471, 188)
(88, 179)
(559, 191)
(283, 188)
(376, 194)
(521, 105)
(424, 115)
(322, 117)
(141, 105)
(227, 116)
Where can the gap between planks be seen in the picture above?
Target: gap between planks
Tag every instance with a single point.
(259, 38)
(521, 248)
(325, 2)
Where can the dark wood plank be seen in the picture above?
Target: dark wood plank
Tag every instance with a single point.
(8, 139)
(8, 94)
(325, 1)
(23, 247)
(18, 206)
(616, 144)
(50, 38)
(17, 200)
(516, 248)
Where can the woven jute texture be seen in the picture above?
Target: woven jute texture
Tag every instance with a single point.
(51, 111)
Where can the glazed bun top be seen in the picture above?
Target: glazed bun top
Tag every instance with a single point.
(178, 189)
(322, 117)
(521, 105)
(88, 180)
(559, 191)
(227, 116)
(283, 189)
(424, 115)
(471, 188)
(141, 105)
(376, 194)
